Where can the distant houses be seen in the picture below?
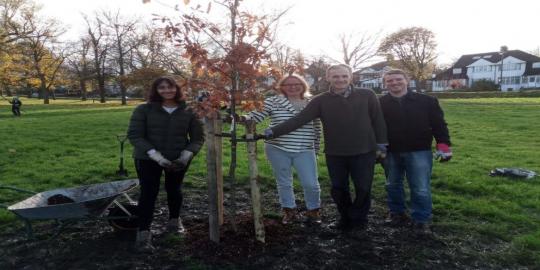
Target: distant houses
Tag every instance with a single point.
(371, 77)
(520, 70)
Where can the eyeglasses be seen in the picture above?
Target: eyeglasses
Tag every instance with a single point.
(292, 84)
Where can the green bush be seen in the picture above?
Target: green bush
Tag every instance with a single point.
(484, 85)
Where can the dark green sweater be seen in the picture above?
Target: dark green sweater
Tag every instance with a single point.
(151, 127)
(352, 125)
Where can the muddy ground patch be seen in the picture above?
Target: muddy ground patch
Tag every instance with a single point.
(95, 245)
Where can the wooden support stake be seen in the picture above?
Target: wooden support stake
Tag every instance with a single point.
(211, 167)
(253, 175)
(219, 167)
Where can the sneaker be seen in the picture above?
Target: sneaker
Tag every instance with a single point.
(289, 216)
(422, 229)
(144, 242)
(313, 216)
(397, 220)
(175, 226)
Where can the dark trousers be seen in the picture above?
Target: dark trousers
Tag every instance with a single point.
(149, 173)
(16, 111)
(360, 169)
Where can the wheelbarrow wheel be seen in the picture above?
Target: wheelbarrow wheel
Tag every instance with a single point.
(120, 220)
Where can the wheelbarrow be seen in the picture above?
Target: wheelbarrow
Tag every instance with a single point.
(81, 203)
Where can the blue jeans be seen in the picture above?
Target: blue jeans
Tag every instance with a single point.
(305, 165)
(416, 166)
(360, 169)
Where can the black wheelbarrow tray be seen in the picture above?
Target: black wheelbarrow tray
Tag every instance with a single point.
(89, 202)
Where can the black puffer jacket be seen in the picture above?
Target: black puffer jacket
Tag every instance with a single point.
(413, 122)
(151, 127)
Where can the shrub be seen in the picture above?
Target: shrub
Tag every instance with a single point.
(484, 85)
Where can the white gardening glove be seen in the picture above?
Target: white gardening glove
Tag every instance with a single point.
(183, 160)
(158, 157)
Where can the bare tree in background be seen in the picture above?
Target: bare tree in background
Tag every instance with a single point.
(123, 35)
(100, 49)
(285, 60)
(358, 48)
(80, 64)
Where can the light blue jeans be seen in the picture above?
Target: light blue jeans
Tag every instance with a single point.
(416, 166)
(305, 164)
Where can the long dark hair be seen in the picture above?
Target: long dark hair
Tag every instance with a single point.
(153, 95)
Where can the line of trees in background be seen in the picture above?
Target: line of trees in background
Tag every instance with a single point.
(115, 54)
(120, 56)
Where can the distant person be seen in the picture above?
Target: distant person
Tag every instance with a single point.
(296, 150)
(16, 105)
(412, 120)
(165, 135)
(354, 130)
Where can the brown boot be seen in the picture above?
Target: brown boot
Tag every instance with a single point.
(313, 216)
(397, 220)
(289, 215)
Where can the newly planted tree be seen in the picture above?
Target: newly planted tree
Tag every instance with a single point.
(229, 60)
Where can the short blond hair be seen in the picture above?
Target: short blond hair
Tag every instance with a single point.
(305, 93)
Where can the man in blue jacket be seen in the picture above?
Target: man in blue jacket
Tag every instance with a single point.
(412, 121)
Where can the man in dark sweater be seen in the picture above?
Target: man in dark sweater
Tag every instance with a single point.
(354, 130)
(413, 120)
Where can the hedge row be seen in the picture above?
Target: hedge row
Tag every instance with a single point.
(494, 94)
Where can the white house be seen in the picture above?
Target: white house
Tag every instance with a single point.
(371, 77)
(519, 70)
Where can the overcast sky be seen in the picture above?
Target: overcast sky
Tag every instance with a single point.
(461, 26)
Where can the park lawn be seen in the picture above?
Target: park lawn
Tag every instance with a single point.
(69, 143)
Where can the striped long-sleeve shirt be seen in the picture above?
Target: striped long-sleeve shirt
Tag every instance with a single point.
(280, 109)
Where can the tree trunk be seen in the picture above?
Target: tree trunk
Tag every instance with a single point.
(82, 86)
(123, 93)
(43, 90)
(101, 86)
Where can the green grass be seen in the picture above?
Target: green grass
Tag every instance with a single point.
(69, 143)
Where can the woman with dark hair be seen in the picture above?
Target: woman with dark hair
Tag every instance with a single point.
(165, 135)
(294, 150)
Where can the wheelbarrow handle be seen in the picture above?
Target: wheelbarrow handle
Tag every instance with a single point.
(18, 189)
(5, 206)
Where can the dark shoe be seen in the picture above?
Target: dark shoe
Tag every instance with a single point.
(144, 242)
(175, 226)
(342, 224)
(289, 216)
(422, 230)
(397, 220)
(313, 216)
(358, 225)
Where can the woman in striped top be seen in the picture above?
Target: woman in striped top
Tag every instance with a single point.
(294, 150)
